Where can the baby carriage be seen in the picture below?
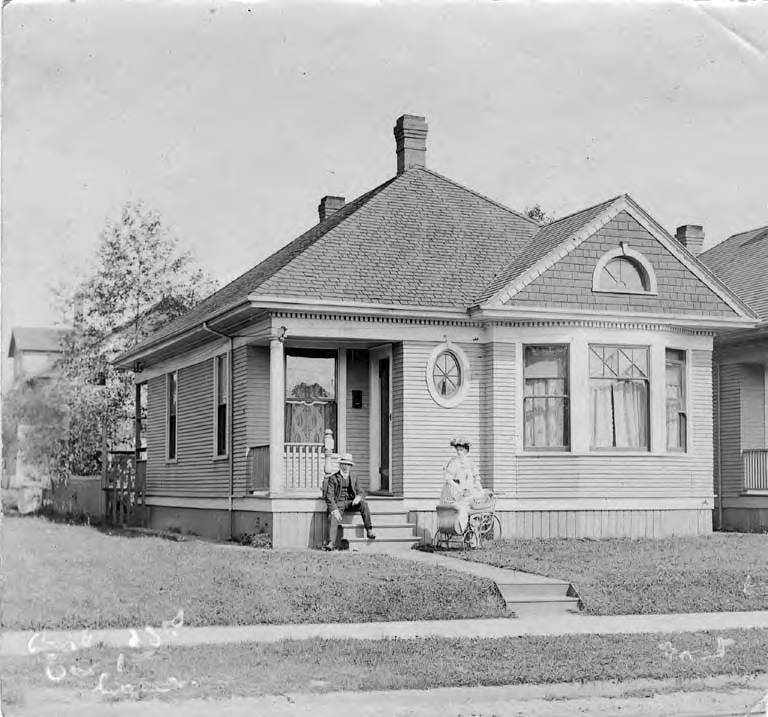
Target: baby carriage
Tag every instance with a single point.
(479, 522)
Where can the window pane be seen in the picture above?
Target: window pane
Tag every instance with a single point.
(446, 374)
(221, 430)
(675, 395)
(621, 274)
(619, 414)
(172, 394)
(222, 379)
(546, 361)
(308, 378)
(546, 397)
(546, 422)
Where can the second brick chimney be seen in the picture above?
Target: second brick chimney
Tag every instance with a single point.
(410, 142)
(691, 236)
(329, 205)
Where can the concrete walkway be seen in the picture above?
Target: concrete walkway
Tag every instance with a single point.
(18, 643)
(481, 570)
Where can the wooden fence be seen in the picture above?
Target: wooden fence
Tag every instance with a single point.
(124, 484)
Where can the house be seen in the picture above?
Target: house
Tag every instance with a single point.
(576, 356)
(741, 386)
(35, 350)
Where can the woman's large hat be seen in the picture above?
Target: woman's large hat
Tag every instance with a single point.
(461, 441)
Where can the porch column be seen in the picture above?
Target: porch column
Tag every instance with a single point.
(276, 416)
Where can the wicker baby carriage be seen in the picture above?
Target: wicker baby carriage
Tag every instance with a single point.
(470, 524)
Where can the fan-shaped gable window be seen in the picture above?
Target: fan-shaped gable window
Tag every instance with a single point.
(624, 271)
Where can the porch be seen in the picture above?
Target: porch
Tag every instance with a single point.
(324, 400)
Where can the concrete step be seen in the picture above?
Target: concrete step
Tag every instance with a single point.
(379, 545)
(377, 517)
(543, 606)
(382, 532)
(525, 591)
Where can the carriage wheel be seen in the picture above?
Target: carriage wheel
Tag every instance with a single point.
(492, 528)
(471, 539)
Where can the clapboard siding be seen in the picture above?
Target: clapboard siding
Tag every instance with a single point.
(428, 427)
(195, 473)
(258, 395)
(358, 418)
(752, 406)
(239, 417)
(729, 443)
(503, 411)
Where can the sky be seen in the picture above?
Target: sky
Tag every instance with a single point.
(233, 120)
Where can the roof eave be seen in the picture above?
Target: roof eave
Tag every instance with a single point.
(515, 313)
(327, 306)
(145, 352)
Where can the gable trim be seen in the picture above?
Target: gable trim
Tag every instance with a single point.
(623, 203)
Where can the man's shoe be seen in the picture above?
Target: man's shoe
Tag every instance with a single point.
(328, 547)
(370, 535)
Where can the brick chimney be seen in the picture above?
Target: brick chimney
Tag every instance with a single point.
(410, 142)
(691, 236)
(329, 205)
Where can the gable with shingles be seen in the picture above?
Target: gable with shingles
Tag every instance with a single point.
(568, 283)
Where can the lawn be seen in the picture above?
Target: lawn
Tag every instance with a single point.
(66, 576)
(222, 671)
(623, 577)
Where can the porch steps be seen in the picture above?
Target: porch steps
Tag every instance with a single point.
(390, 524)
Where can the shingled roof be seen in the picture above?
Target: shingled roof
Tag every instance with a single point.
(741, 262)
(417, 239)
(37, 338)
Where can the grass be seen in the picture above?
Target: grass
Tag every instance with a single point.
(222, 671)
(644, 576)
(72, 577)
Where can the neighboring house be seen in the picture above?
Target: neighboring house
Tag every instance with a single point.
(577, 357)
(741, 386)
(35, 349)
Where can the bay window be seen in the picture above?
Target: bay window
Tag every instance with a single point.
(619, 396)
(546, 399)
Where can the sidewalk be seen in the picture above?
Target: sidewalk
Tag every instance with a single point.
(16, 643)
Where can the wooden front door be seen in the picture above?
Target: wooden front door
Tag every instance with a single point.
(384, 420)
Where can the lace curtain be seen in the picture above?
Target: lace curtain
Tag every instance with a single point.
(619, 414)
(307, 422)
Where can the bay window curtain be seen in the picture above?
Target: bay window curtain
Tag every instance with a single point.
(620, 397)
(546, 397)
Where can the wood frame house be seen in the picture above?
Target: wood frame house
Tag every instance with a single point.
(576, 356)
(741, 387)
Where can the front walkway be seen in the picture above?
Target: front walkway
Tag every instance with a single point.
(17, 643)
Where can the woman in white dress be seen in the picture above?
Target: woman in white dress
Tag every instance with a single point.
(461, 482)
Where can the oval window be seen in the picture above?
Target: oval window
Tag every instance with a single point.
(446, 374)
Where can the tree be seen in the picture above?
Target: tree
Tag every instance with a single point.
(139, 280)
(538, 214)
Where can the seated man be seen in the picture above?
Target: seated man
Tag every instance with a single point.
(341, 494)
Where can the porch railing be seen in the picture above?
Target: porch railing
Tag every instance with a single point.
(257, 468)
(304, 466)
(755, 468)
